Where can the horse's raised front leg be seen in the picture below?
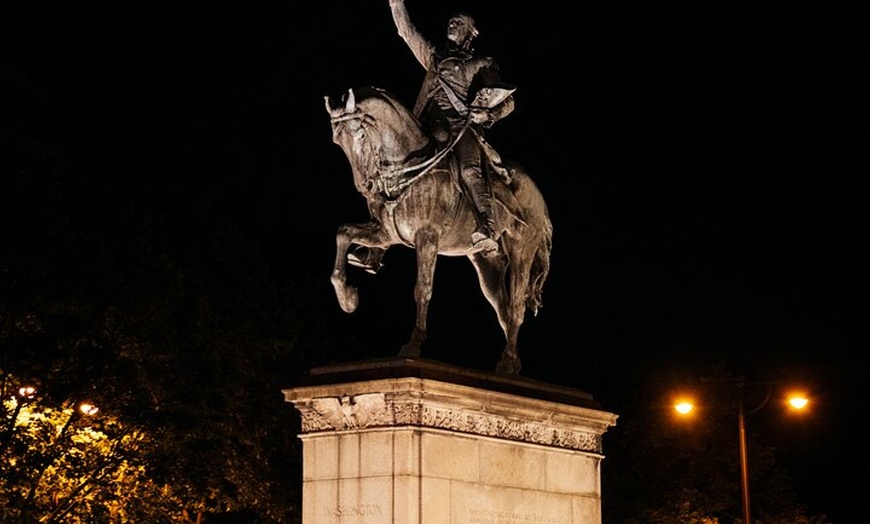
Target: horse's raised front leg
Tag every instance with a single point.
(368, 234)
(426, 245)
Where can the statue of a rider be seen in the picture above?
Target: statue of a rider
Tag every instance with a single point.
(461, 96)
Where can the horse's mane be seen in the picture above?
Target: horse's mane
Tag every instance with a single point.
(368, 92)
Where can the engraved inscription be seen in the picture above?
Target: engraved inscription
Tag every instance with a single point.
(353, 511)
(494, 516)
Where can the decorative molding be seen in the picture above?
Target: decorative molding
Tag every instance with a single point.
(378, 410)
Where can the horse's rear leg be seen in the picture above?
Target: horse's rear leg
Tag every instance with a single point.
(514, 304)
(505, 291)
(426, 245)
(509, 363)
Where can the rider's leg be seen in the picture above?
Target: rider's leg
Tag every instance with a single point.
(480, 193)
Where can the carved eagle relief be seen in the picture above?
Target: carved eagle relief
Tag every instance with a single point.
(350, 411)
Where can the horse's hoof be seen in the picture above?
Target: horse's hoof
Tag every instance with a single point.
(410, 351)
(349, 300)
(508, 366)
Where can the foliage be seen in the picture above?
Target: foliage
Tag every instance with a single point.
(59, 464)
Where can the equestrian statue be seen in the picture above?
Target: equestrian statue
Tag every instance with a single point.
(434, 184)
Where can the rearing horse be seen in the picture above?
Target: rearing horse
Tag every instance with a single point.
(415, 199)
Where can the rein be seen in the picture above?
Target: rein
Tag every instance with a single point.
(424, 167)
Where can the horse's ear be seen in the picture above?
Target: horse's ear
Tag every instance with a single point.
(350, 104)
(328, 103)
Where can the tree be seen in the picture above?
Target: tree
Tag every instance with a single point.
(71, 463)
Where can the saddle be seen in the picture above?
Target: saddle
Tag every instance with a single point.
(494, 162)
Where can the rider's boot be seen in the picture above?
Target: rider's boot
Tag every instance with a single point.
(483, 237)
(368, 258)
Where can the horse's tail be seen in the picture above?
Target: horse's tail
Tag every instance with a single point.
(540, 268)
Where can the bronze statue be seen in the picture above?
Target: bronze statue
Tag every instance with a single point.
(434, 184)
(411, 187)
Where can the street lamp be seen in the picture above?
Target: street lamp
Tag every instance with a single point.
(23, 395)
(86, 408)
(796, 400)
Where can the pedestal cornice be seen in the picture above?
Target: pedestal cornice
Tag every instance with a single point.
(419, 393)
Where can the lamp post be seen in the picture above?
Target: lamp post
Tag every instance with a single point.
(795, 400)
(744, 462)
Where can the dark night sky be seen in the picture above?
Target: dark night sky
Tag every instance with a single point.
(701, 164)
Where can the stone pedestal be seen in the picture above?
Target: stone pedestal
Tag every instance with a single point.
(411, 441)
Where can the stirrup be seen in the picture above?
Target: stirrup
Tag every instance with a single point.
(370, 262)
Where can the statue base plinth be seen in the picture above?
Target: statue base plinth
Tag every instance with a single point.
(413, 441)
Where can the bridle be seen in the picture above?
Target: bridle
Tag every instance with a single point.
(393, 181)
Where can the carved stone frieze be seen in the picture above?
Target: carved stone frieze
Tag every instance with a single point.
(377, 410)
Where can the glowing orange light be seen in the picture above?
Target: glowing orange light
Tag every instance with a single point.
(684, 407)
(26, 391)
(798, 401)
(88, 409)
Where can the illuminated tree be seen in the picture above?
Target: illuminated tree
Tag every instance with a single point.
(73, 463)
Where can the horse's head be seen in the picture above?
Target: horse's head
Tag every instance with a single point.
(376, 133)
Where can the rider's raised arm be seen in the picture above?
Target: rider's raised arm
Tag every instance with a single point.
(423, 50)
